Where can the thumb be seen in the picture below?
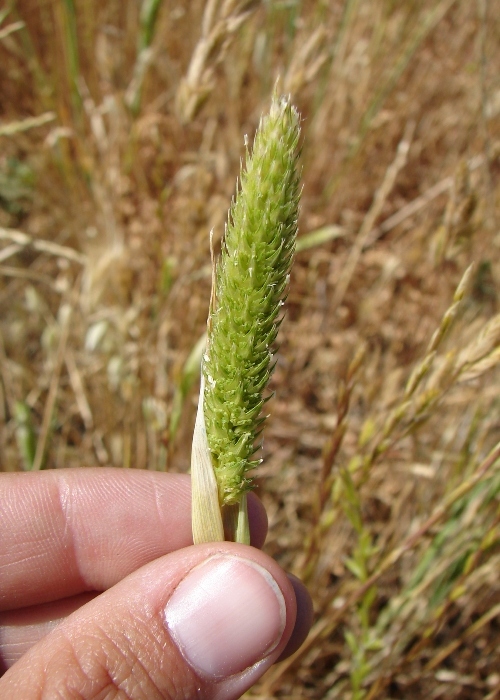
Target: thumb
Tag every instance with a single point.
(205, 622)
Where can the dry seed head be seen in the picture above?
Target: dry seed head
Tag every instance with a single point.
(482, 353)
(465, 284)
(420, 371)
(220, 24)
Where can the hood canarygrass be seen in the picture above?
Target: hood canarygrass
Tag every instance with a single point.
(249, 287)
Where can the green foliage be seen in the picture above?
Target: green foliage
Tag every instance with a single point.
(16, 186)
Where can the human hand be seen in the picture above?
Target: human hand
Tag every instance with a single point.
(103, 594)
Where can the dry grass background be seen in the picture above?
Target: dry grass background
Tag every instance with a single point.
(121, 131)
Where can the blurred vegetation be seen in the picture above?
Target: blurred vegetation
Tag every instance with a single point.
(121, 128)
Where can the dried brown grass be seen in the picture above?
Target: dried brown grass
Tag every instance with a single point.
(381, 456)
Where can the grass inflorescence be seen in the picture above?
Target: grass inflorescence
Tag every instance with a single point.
(250, 285)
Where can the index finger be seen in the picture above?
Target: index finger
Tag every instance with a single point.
(69, 531)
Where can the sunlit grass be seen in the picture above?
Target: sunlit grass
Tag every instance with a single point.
(121, 132)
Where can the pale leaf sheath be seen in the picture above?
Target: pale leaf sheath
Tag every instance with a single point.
(207, 519)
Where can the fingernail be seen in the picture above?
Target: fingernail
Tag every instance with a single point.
(226, 615)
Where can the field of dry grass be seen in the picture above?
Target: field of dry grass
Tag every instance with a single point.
(122, 126)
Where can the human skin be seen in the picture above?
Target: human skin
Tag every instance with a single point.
(103, 594)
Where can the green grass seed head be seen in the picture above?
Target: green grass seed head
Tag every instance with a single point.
(250, 284)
